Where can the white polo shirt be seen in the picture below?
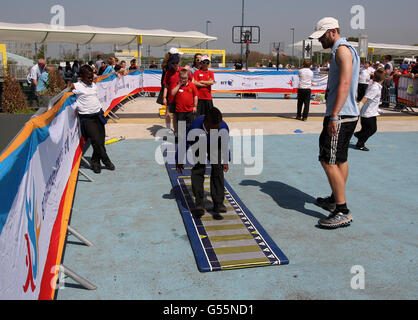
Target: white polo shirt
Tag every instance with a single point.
(305, 78)
(370, 108)
(87, 98)
(364, 77)
(34, 73)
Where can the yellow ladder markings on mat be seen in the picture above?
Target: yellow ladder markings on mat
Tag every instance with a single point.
(241, 249)
(231, 237)
(236, 264)
(226, 217)
(226, 227)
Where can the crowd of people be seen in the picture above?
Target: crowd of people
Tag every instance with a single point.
(186, 91)
(391, 73)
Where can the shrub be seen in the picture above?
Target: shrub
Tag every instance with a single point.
(13, 98)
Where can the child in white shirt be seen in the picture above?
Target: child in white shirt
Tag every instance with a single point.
(91, 117)
(370, 110)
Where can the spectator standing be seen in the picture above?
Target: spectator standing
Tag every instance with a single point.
(171, 79)
(43, 85)
(388, 67)
(68, 73)
(196, 63)
(185, 98)
(340, 120)
(133, 65)
(102, 68)
(99, 62)
(153, 65)
(123, 65)
(91, 116)
(32, 78)
(35, 72)
(304, 90)
(75, 68)
(111, 63)
(366, 72)
(93, 67)
(204, 79)
(238, 65)
(395, 77)
(164, 68)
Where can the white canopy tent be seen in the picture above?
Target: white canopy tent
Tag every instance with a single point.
(45, 33)
(379, 48)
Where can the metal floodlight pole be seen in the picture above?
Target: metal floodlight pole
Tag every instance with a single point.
(242, 24)
(207, 31)
(293, 45)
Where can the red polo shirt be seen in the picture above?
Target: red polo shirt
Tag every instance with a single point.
(171, 79)
(184, 98)
(205, 93)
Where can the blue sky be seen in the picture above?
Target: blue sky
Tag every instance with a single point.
(386, 21)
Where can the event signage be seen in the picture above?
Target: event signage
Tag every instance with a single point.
(253, 81)
(38, 173)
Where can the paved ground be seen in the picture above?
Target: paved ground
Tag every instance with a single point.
(141, 247)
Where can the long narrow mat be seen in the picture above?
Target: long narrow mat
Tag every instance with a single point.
(237, 241)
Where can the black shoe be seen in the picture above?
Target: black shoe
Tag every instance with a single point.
(326, 203)
(304, 119)
(217, 216)
(219, 208)
(96, 167)
(298, 118)
(109, 165)
(363, 148)
(198, 211)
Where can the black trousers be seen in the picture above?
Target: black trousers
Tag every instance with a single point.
(304, 98)
(361, 90)
(368, 128)
(216, 180)
(93, 129)
(216, 183)
(385, 93)
(185, 116)
(203, 106)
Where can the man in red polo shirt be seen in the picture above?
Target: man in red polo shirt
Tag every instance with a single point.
(185, 98)
(204, 79)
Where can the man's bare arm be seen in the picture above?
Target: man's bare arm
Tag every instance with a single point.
(344, 59)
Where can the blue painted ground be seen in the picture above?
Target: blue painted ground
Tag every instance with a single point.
(142, 250)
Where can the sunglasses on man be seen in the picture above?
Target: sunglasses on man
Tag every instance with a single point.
(205, 62)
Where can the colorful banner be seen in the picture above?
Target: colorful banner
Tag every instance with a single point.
(254, 81)
(114, 88)
(38, 175)
(408, 91)
(152, 80)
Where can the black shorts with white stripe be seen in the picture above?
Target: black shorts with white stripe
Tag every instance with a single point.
(334, 150)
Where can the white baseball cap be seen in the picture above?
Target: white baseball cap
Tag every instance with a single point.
(323, 26)
(205, 57)
(175, 51)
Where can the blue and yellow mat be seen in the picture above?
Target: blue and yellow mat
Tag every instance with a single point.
(237, 241)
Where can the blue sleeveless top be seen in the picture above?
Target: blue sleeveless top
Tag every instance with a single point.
(350, 106)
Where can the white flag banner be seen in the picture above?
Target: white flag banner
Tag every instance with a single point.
(37, 193)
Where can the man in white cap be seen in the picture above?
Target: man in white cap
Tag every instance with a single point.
(340, 119)
(175, 51)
